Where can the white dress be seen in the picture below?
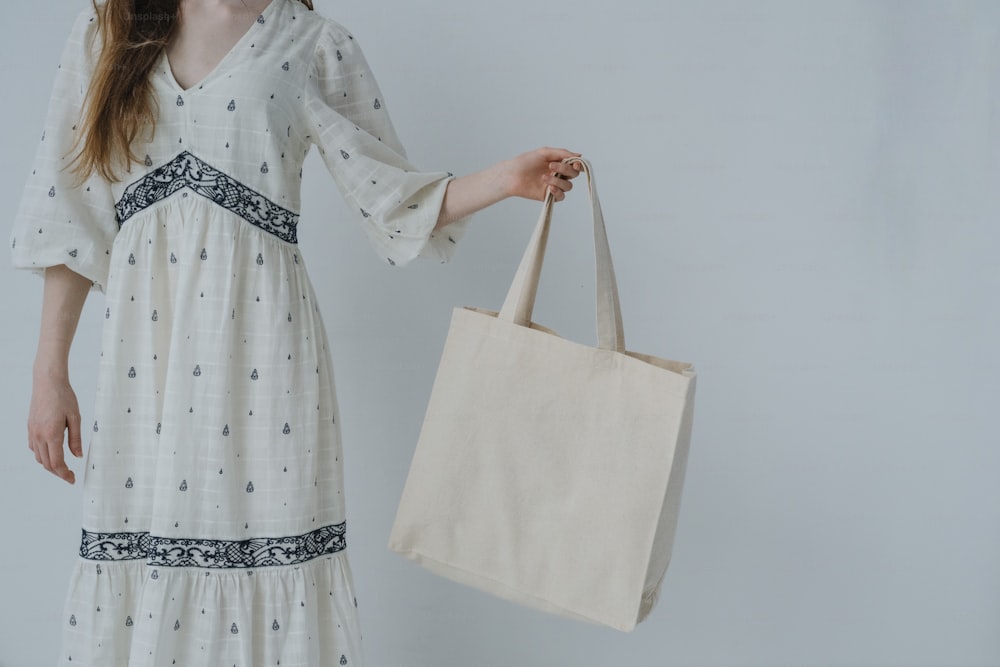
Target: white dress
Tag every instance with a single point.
(213, 512)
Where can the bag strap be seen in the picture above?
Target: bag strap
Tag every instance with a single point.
(520, 301)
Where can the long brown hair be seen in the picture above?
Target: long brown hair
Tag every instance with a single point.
(120, 101)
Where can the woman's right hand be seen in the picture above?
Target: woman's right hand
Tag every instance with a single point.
(54, 409)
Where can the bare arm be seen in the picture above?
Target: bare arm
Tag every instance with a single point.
(527, 175)
(54, 406)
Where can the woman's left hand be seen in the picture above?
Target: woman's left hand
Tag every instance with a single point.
(531, 175)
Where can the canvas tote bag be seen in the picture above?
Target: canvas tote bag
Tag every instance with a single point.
(547, 472)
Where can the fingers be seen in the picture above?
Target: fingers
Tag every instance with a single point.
(57, 464)
(558, 180)
(553, 154)
(560, 177)
(44, 451)
(555, 157)
(54, 413)
(36, 450)
(559, 187)
(47, 445)
(566, 170)
(75, 439)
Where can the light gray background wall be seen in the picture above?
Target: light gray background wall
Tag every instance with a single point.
(802, 200)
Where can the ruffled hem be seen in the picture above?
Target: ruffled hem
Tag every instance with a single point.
(131, 614)
(38, 270)
(421, 240)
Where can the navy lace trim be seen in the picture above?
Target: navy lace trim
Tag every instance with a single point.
(184, 552)
(188, 170)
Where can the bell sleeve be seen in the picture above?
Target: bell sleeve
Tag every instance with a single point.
(397, 203)
(57, 223)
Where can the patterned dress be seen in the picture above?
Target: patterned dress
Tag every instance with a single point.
(214, 518)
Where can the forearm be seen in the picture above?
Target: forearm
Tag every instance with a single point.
(467, 194)
(64, 295)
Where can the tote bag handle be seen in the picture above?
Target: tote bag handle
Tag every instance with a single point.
(520, 301)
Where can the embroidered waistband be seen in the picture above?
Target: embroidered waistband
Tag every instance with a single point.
(188, 170)
(197, 552)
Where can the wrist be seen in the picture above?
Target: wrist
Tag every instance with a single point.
(50, 373)
(500, 179)
(50, 366)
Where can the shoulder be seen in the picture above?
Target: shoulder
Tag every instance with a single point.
(321, 26)
(87, 15)
(331, 40)
(335, 31)
(83, 43)
(86, 22)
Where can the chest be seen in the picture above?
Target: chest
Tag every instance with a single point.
(205, 37)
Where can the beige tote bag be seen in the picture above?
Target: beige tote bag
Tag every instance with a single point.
(549, 473)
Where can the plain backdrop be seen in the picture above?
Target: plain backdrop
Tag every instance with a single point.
(802, 199)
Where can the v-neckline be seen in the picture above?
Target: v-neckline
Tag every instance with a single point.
(169, 73)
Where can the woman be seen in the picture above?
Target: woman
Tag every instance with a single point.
(214, 519)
